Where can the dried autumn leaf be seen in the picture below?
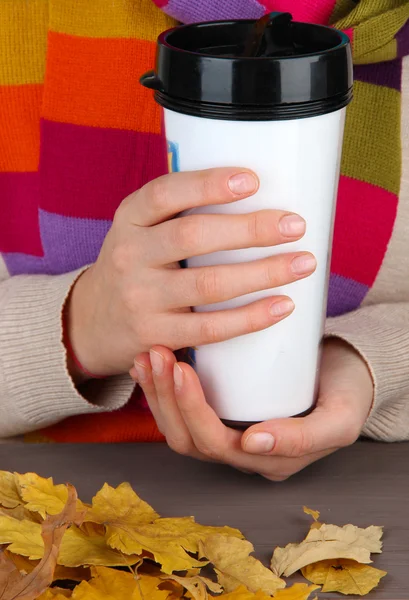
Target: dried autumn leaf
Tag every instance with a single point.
(344, 576)
(23, 537)
(234, 566)
(9, 493)
(197, 586)
(242, 593)
(109, 584)
(25, 565)
(298, 591)
(315, 514)
(133, 527)
(82, 549)
(9, 573)
(41, 495)
(30, 586)
(55, 594)
(328, 542)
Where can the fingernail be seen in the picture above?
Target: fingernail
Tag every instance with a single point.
(178, 376)
(259, 443)
(243, 183)
(303, 264)
(292, 226)
(282, 308)
(157, 362)
(141, 371)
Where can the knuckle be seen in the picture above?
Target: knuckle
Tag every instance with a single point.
(208, 284)
(301, 444)
(131, 297)
(256, 227)
(158, 194)
(180, 445)
(122, 257)
(210, 331)
(188, 233)
(252, 322)
(206, 187)
(211, 453)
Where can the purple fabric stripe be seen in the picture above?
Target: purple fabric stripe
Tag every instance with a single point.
(388, 74)
(70, 243)
(402, 38)
(187, 11)
(18, 263)
(344, 295)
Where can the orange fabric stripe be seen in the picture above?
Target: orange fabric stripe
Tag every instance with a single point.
(113, 427)
(20, 107)
(95, 82)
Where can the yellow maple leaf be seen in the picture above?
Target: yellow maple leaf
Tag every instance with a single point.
(41, 495)
(82, 549)
(328, 542)
(22, 537)
(77, 547)
(234, 566)
(133, 527)
(344, 576)
(9, 493)
(109, 584)
(298, 591)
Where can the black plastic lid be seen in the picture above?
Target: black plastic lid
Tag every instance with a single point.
(250, 70)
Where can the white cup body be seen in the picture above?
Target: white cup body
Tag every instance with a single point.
(272, 373)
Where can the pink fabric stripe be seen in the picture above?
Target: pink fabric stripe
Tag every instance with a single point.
(363, 227)
(19, 199)
(311, 11)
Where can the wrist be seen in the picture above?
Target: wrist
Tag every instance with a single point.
(82, 358)
(343, 355)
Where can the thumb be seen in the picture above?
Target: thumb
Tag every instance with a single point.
(327, 427)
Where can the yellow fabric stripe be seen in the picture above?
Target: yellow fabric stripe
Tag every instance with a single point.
(23, 40)
(372, 146)
(110, 19)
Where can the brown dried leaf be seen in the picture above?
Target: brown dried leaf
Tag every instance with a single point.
(33, 584)
(234, 566)
(328, 542)
(344, 576)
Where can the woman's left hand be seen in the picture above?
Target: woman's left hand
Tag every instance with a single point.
(275, 449)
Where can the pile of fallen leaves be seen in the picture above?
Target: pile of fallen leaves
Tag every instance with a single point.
(53, 546)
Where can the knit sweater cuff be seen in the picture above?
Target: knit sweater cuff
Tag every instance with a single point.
(380, 334)
(36, 389)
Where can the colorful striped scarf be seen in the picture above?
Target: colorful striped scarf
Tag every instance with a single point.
(78, 134)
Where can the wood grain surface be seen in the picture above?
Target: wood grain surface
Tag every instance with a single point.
(366, 484)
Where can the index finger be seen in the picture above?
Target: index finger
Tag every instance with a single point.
(167, 196)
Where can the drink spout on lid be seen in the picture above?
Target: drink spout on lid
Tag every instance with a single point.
(270, 35)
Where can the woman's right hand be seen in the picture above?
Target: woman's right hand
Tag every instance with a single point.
(136, 296)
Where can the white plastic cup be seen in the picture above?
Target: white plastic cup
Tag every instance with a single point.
(271, 373)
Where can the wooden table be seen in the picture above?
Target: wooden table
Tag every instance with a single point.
(367, 484)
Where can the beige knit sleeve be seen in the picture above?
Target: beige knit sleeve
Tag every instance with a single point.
(36, 389)
(380, 333)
